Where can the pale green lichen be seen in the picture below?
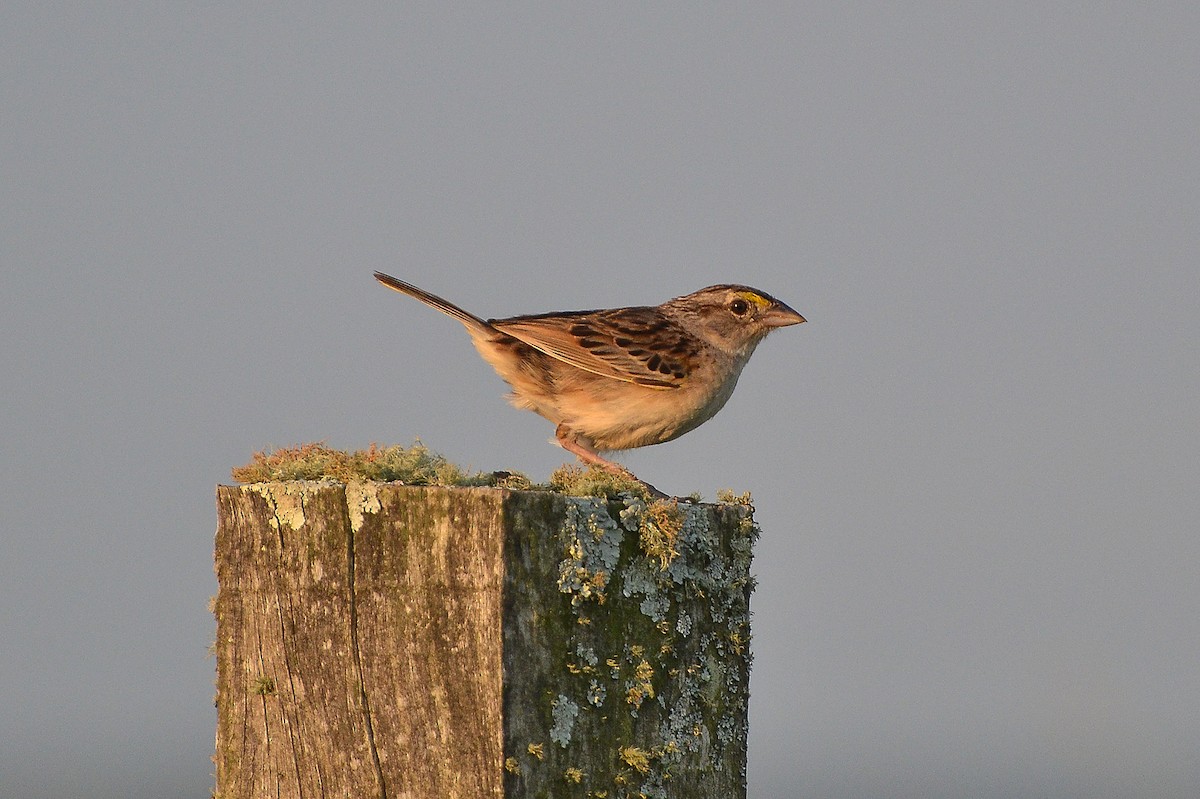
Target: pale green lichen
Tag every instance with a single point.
(597, 693)
(286, 501)
(680, 676)
(362, 498)
(586, 653)
(593, 547)
(565, 712)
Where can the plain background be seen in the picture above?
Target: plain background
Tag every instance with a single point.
(976, 468)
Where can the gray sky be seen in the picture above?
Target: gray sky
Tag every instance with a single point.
(976, 467)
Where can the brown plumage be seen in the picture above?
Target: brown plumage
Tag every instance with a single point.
(626, 377)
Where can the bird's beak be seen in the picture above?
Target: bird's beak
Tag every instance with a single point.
(780, 315)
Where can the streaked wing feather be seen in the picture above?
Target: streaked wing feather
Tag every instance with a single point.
(610, 343)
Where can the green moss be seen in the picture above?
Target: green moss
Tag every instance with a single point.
(660, 528)
(263, 686)
(419, 465)
(592, 481)
(415, 465)
(726, 497)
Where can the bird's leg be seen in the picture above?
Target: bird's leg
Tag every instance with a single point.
(570, 441)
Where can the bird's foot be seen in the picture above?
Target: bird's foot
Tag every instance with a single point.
(571, 443)
(620, 471)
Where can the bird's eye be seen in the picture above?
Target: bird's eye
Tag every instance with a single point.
(739, 307)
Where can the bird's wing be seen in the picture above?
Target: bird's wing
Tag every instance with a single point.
(637, 345)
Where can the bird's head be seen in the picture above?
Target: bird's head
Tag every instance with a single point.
(730, 317)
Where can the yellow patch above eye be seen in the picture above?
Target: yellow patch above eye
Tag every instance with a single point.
(754, 299)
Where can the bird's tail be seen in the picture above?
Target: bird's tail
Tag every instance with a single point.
(473, 323)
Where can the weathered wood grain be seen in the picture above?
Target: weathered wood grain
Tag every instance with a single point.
(378, 640)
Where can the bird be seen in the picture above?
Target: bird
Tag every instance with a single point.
(621, 378)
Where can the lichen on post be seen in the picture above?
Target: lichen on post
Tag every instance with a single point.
(376, 639)
(627, 671)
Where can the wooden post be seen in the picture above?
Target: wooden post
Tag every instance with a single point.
(379, 640)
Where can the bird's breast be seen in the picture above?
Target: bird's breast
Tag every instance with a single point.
(617, 415)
